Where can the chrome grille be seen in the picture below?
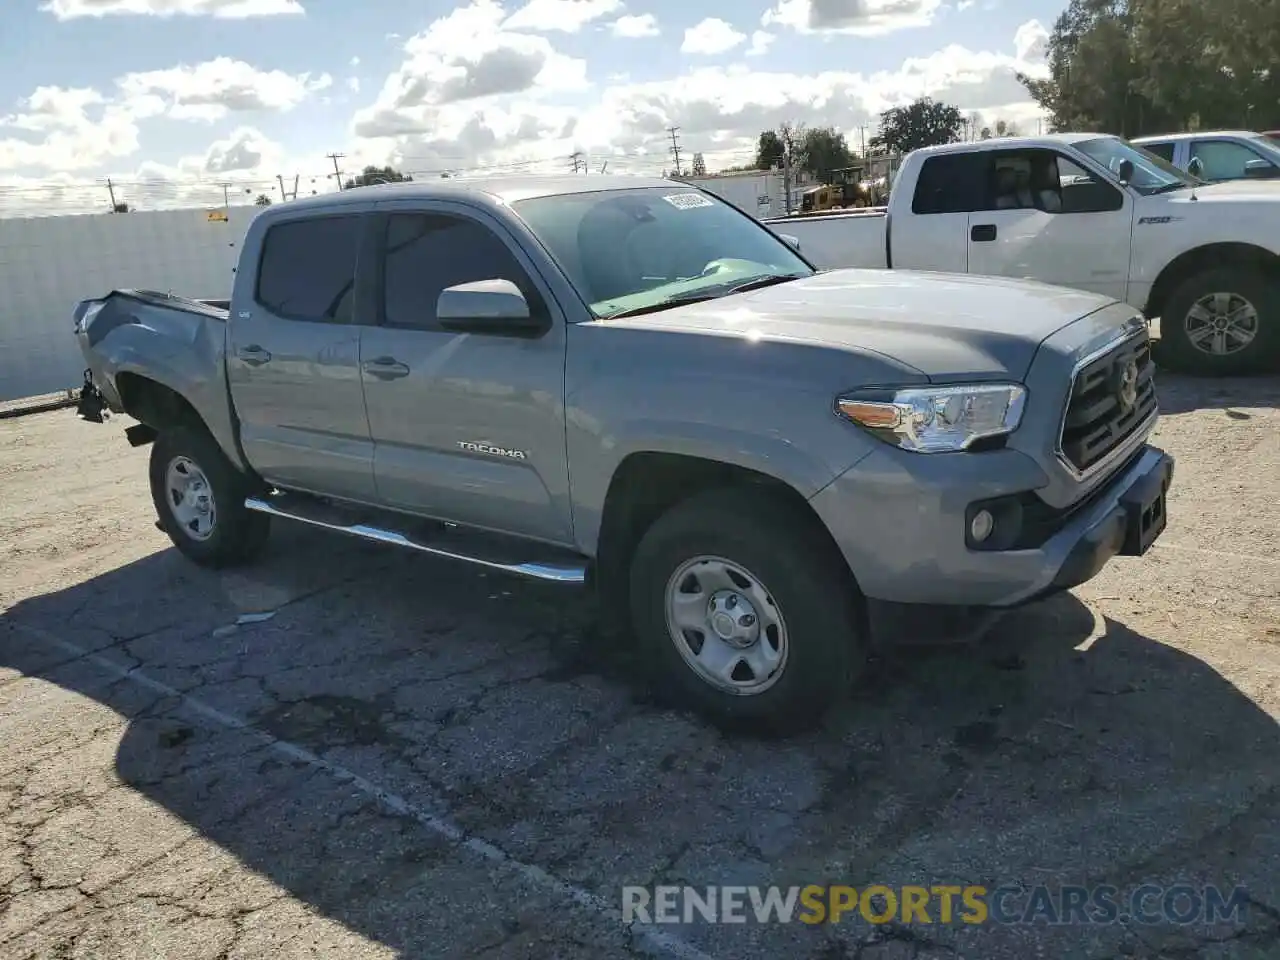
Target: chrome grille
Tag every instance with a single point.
(1098, 418)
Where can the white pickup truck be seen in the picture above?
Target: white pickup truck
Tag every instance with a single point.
(1091, 212)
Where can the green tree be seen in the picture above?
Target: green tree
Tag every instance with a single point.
(823, 149)
(769, 150)
(699, 165)
(262, 200)
(923, 123)
(370, 175)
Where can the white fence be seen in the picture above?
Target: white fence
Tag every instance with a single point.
(48, 264)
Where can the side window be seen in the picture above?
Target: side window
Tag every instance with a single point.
(308, 267)
(950, 183)
(1221, 159)
(426, 253)
(1045, 180)
(1162, 150)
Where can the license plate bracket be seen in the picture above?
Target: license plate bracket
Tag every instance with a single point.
(1146, 515)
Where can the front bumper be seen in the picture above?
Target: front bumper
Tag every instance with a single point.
(899, 520)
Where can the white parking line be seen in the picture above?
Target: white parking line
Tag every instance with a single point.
(664, 943)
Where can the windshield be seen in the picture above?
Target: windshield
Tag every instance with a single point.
(627, 250)
(1268, 145)
(1151, 174)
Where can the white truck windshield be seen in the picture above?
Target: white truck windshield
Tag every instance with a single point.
(1151, 174)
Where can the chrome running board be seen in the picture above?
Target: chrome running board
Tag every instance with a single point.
(482, 549)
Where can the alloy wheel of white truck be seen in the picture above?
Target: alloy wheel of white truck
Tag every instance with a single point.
(744, 612)
(1221, 322)
(199, 499)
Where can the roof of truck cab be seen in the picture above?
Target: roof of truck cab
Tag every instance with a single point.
(1199, 134)
(502, 189)
(1013, 143)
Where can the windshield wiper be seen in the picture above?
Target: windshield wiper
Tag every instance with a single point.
(766, 281)
(683, 299)
(679, 300)
(1170, 187)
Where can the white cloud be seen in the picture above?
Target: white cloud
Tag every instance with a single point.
(566, 16)
(760, 43)
(640, 25)
(866, 18)
(353, 84)
(224, 9)
(1031, 41)
(710, 37)
(211, 90)
(468, 55)
(355, 61)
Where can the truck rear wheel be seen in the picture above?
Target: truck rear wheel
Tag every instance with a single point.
(741, 608)
(1223, 321)
(199, 499)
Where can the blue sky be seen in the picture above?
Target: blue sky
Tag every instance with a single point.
(184, 91)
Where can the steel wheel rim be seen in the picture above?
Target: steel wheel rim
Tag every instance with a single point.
(190, 498)
(1221, 324)
(709, 601)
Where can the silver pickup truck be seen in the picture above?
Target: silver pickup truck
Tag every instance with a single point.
(628, 383)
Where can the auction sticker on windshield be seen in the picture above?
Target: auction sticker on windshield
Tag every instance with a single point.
(687, 201)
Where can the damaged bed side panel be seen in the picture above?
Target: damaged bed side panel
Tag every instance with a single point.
(177, 343)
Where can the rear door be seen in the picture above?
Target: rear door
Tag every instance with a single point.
(467, 427)
(1046, 218)
(935, 236)
(293, 362)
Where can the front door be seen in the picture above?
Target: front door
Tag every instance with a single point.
(1048, 219)
(467, 427)
(293, 358)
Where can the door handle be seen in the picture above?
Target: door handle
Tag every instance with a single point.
(983, 232)
(385, 368)
(253, 355)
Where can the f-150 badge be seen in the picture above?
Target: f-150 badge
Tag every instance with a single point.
(492, 450)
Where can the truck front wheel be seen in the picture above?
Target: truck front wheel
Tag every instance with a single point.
(199, 499)
(745, 611)
(1223, 321)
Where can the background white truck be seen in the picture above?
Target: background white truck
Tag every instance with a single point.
(1090, 212)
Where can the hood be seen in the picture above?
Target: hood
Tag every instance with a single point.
(947, 326)
(1234, 191)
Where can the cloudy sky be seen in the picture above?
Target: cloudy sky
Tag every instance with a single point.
(161, 95)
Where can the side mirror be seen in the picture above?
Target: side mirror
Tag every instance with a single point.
(1126, 171)
(1261, 170)
(789, 240)
(487, 306)
(1196, 168)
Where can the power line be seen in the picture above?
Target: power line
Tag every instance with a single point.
(675, 147)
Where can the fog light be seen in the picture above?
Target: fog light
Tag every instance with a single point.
(981, 525)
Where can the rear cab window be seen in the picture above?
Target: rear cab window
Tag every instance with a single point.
(307, 268)
(951, 183)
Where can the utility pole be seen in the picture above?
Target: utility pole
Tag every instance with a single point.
(579, 161)
(283, 196)
(675, 148)
(786, 177)
(862, 140)
(111, 190)
(337, 171)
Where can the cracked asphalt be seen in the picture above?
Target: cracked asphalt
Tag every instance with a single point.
(410, 758)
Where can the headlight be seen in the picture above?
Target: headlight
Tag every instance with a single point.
(936, 419)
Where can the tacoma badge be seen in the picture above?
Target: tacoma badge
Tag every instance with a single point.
(490, 449)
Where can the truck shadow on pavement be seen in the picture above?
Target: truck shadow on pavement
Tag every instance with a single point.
(391, 698)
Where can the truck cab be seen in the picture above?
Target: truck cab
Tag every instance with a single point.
(1218, 156)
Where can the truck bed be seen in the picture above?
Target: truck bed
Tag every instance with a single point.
(844, 239)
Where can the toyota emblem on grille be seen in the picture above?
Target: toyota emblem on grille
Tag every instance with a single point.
(1126, 385)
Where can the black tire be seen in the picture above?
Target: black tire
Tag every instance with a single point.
(1178, 352)
(237, 535)
(806, 578)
